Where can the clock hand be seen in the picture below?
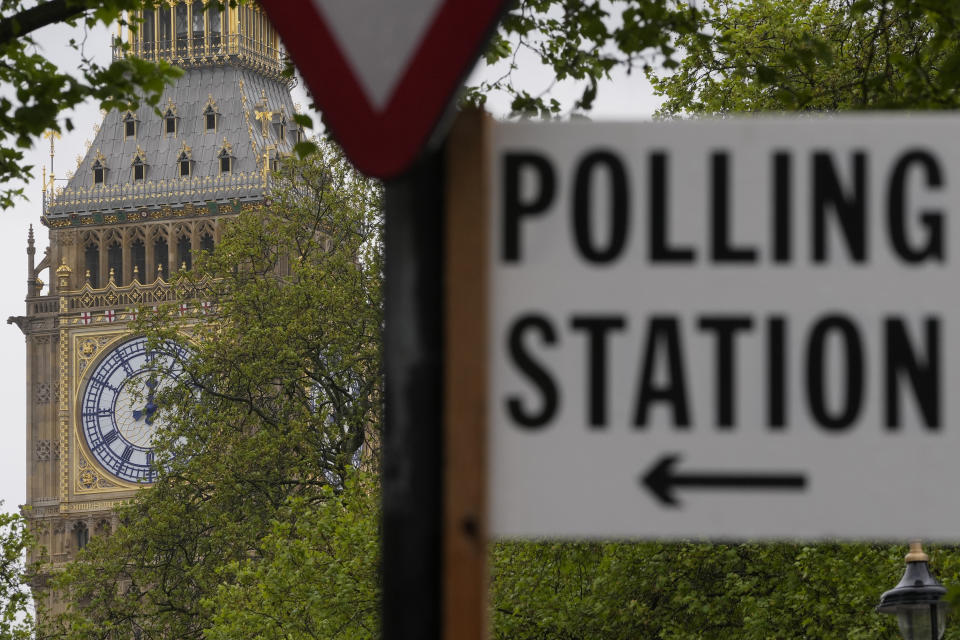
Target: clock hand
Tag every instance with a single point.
(151, 407)
(148, 412)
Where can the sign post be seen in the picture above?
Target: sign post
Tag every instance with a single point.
(465, 528)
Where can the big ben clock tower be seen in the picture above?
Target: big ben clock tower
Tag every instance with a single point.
(153, 190)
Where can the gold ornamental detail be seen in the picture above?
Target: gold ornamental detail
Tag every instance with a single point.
(87, 350)
(99, 505)
(63, 409)
(90, 479)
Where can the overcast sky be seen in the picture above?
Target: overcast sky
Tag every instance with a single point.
(626, 97)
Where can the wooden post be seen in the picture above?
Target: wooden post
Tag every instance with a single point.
(465, 582)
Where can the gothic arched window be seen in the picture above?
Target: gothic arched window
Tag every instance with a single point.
(161, 257)
(184, 254)
(138, 257)
(115, 262)
(91, 262)
(81, 535)
(206, 243)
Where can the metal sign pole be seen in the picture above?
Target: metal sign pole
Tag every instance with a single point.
(412, 433)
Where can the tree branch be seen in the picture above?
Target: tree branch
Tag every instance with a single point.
(41, 15)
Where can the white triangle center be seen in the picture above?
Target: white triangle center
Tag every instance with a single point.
(378, 39)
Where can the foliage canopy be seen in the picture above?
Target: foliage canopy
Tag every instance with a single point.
(820, 55)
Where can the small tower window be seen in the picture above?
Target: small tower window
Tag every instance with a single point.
(170, 119)
(210, 119)
(99, 167)
(139, 166)
(210, 114)
(129, 126)
(184, 161)
(225, 157)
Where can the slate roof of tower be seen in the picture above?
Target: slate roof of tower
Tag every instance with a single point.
(238, 94)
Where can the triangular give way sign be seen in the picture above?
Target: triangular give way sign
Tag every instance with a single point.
(383, 71)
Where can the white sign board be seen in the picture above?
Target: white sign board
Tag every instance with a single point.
(740, 328)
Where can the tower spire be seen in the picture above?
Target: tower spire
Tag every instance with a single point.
(31, 270)
(51, 135)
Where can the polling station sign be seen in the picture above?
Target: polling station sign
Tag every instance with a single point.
(737, 328)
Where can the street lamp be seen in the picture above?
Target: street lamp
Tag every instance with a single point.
(916, 600)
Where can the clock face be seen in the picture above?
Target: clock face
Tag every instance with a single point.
(118, 412)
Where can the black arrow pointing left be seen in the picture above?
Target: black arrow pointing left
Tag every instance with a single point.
(662, 479)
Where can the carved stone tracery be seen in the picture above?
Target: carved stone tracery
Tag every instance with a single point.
(41, 393)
